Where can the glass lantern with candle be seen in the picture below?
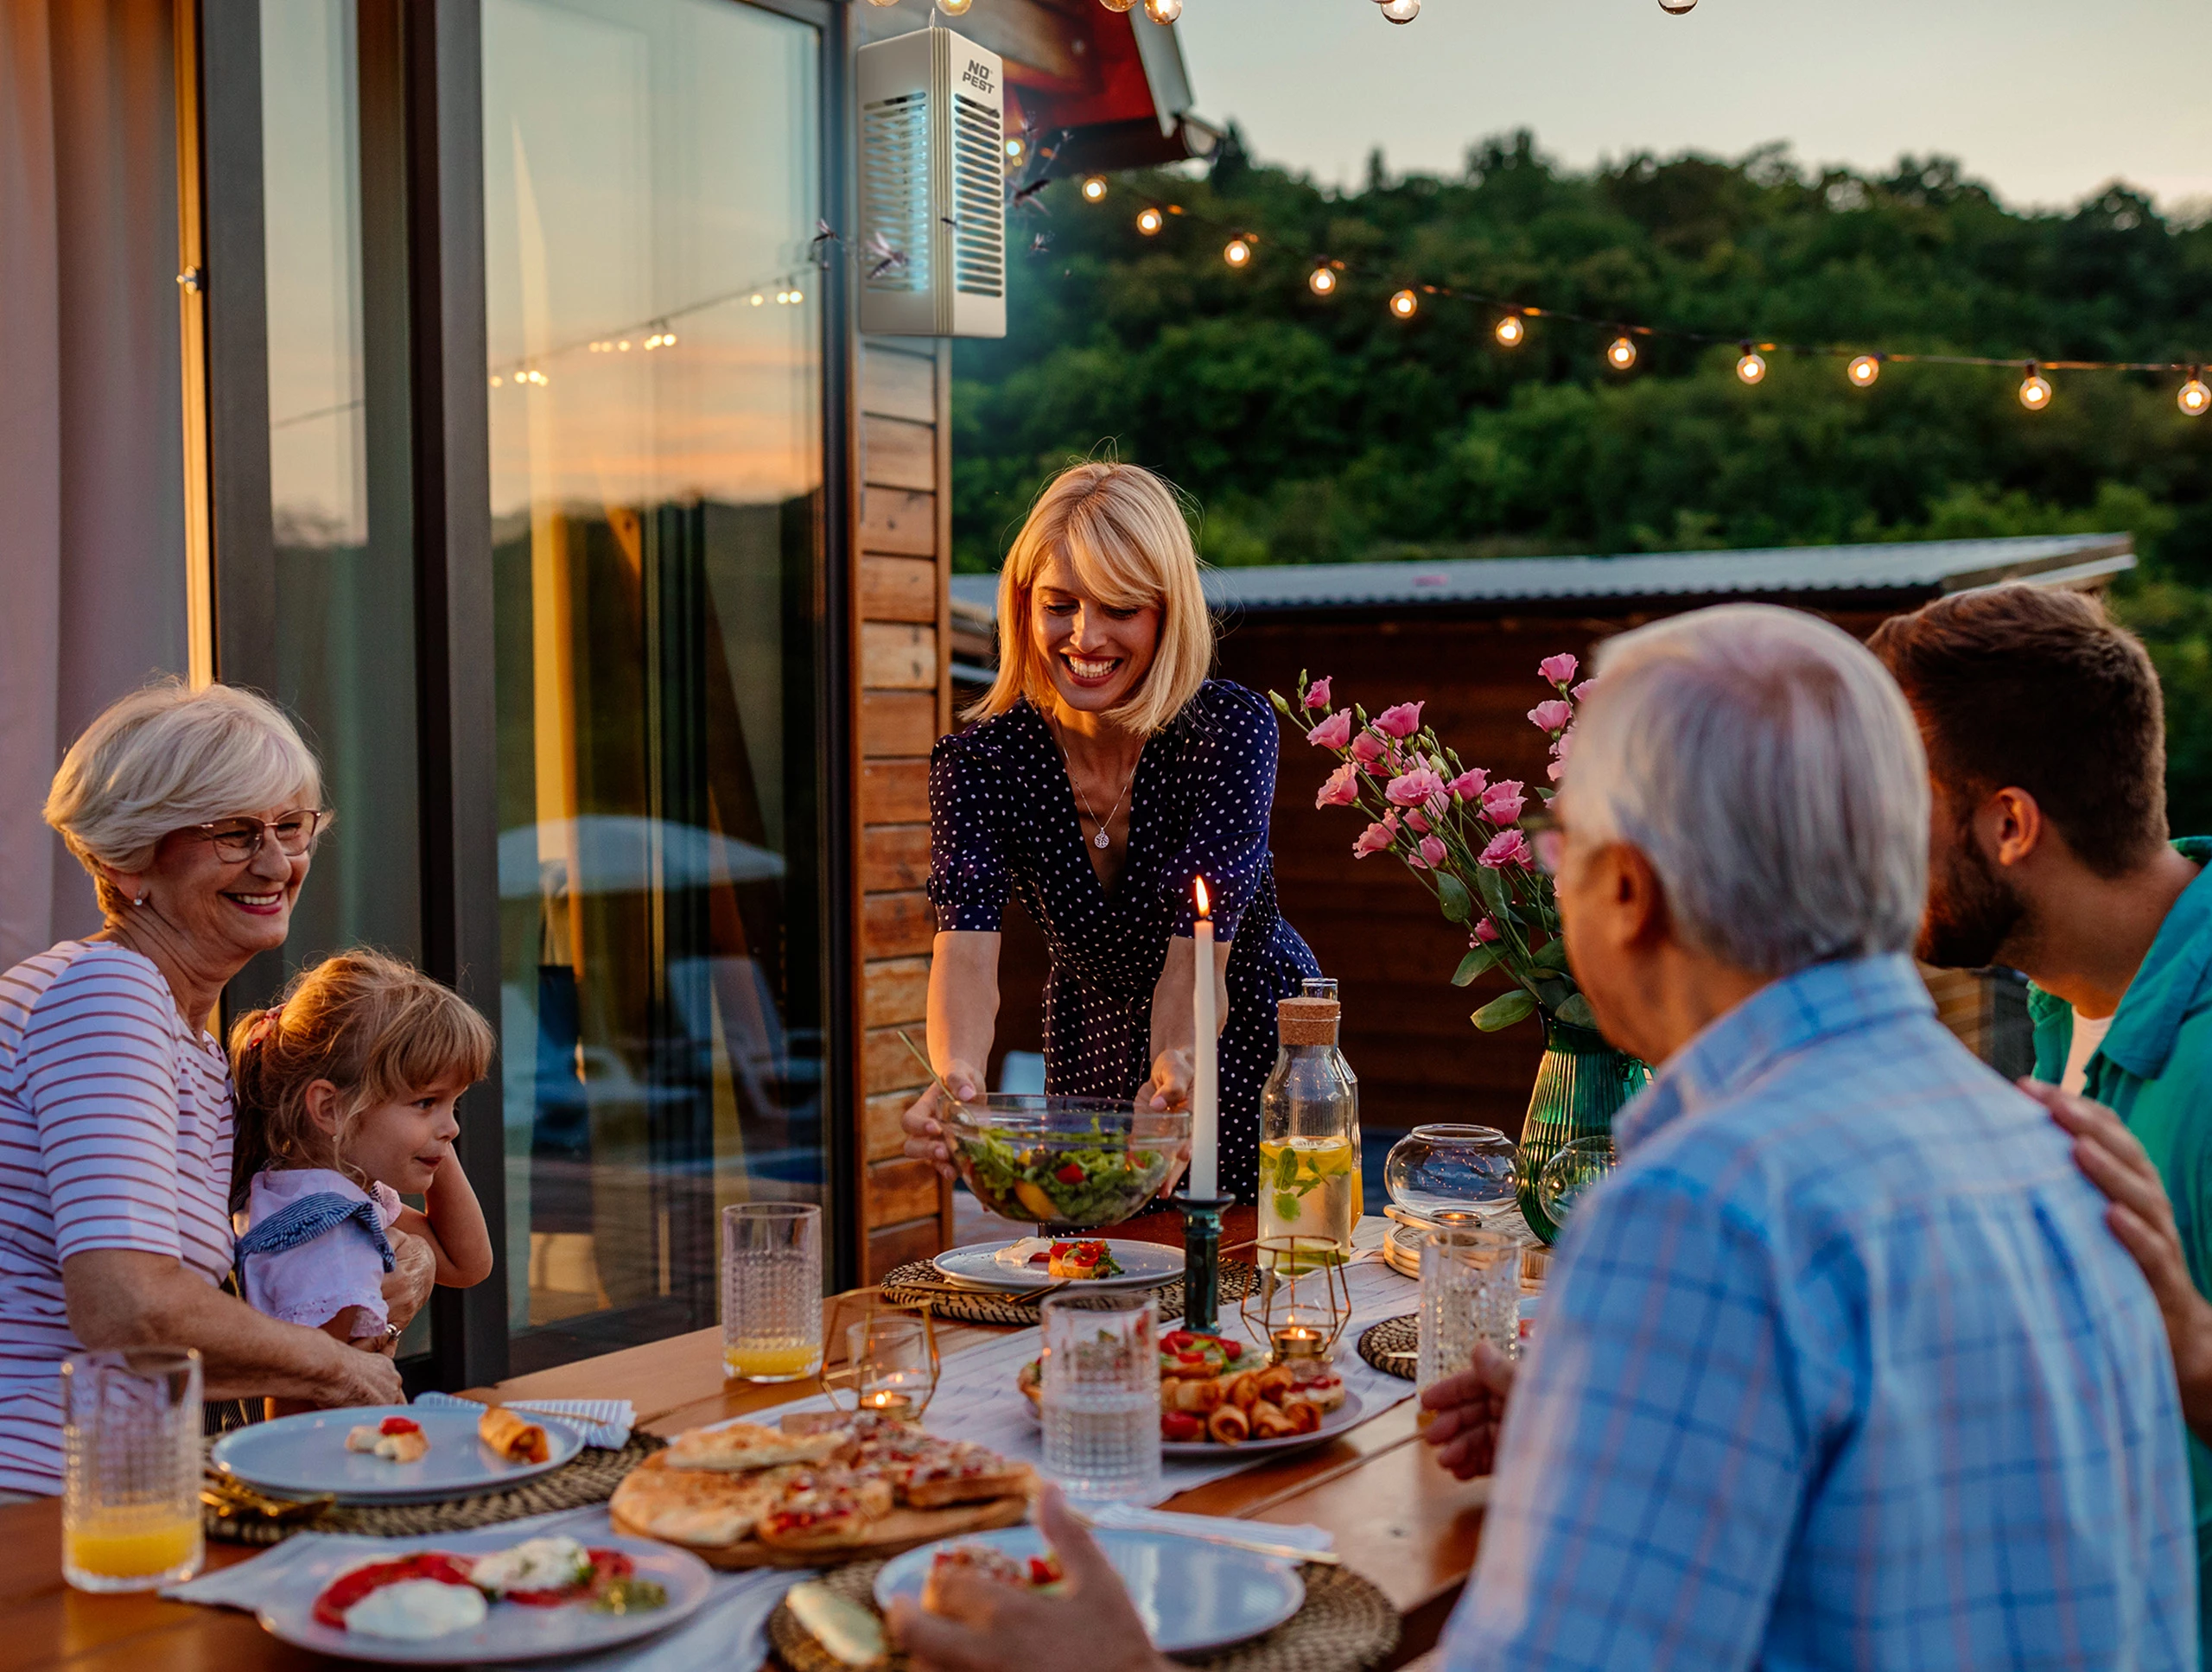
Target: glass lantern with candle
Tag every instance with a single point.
(1300, 1304)
(1310, 1175)
(890, 1362)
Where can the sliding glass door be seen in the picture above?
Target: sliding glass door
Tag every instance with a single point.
(652, 184)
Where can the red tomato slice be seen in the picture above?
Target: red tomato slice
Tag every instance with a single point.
(399, 1424)
(1178, 1426)
(342, 1592)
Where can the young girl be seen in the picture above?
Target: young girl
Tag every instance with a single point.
(345, 1095)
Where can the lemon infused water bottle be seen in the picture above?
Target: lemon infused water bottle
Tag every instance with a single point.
(1310, 1173)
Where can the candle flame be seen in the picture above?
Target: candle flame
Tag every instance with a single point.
(1205, 899)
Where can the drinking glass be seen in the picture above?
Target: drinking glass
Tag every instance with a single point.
(772, 1290)
(1470, 1291)
(130, 1442)
(1102, 1398)
(893, 1361)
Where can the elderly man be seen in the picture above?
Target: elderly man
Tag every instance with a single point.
(1841, 1368)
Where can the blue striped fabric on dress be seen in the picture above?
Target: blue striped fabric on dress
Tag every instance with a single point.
(114, 1132)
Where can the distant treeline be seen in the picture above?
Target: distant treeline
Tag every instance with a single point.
(1319, 430)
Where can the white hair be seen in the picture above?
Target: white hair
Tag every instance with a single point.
(167, 757)
(1769, 769)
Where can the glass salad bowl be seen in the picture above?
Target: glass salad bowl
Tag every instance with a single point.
(1066, 1163)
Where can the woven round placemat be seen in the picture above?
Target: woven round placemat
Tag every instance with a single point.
(919, 1283)
(1392, 1335)
(591, 1479)
(1346, 1625)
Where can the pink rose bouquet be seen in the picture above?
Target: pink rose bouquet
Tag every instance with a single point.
(1458, 832)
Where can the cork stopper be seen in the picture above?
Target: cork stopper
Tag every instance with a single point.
(1308, 1022)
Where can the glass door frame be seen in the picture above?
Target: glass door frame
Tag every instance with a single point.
(421, 98)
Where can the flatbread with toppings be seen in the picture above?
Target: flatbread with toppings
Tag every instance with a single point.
(742, 1447)
(883, 1487)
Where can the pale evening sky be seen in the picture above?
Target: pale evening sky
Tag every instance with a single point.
(2044, 99)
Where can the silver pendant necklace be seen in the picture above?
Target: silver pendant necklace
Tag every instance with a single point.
(1101, 840)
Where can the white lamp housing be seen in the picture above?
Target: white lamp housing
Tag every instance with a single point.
(933, 250)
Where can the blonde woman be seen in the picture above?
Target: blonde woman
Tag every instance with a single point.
(1107, 775)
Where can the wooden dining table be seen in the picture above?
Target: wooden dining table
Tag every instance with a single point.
(1400, 1520)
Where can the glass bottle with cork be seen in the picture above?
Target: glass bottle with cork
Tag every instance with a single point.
(1309, 1173)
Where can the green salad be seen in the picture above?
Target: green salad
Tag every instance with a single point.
(1079, 1180)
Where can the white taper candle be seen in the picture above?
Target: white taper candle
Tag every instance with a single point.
(1206, 1077)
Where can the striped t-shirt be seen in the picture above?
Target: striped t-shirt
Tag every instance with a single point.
(114, 1132)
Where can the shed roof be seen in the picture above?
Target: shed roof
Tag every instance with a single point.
(1901, 570)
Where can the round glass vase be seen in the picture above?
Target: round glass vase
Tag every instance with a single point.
(1580, 1086)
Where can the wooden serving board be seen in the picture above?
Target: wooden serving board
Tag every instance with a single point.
(901, 1530)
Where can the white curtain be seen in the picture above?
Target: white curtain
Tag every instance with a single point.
(91, 487)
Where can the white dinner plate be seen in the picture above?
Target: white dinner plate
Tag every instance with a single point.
(302, 1456)
(511, 1630)
(1144, 1265)
(1191, 1595)
(1334, 1423)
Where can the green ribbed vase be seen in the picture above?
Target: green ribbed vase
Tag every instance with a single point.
(1580, 1086)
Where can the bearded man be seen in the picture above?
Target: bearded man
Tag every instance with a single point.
(2049, 854)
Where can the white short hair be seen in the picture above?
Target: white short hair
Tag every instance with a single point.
(1770, 770)
(167, 757)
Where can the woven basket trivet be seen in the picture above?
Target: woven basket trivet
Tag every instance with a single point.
(1392, 1335)
(919, 1282)
(590, 1479)
(1346, 1625)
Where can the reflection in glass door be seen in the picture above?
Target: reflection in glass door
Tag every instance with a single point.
(651, 184)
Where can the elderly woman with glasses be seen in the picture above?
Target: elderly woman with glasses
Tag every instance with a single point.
(196, 813)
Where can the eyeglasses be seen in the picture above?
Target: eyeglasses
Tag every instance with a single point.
(237, 840)
(1547, 841)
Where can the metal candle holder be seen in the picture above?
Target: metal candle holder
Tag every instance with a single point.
(1202, 1260)
(860, 1376)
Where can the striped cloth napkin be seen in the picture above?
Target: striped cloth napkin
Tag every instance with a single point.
(601, 1422)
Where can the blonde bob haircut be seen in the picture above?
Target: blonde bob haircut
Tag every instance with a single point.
(1124, 532)
(167, 757)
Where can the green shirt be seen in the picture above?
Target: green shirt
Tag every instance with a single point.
(2154, 1070)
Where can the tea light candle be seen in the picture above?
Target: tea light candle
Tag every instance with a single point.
(889, 1402)
(1205, 1073)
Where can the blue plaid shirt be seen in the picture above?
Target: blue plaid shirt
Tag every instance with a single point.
(1841, 1368)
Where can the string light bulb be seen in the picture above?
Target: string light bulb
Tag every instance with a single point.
(1094, 186)
(1117, 5)
(1400, 11)
(1150, 220)
(1509, 331)
(1676, 7)
(1405, 304)
(953, 7)
(2035, 389)
(1620, 353)
(1163, 11)
(1236, 252)
(2194, 398)
(1322, 281)
(1862, 370)
(1750, 368)
(1015, 148)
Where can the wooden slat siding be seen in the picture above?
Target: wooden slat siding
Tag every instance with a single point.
(895, 989)
(898, 590)
(895, 792)
(894, 856)
(898, 1245)
(944, 1229)
(897, 454)
(898, 523)
(897, 925)
(898, 723)
(895, 384)
(901, 590)
(899, 656)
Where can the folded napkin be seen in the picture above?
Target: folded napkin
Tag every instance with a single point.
(601, 1422)
(1129, 1518)
(728, 1634)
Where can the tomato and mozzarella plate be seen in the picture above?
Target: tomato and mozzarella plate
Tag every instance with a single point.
(988, 1561)
(408, 1597)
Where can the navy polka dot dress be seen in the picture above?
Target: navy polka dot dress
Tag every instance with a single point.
(1002, 818)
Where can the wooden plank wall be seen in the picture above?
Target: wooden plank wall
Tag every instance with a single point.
(904, 706)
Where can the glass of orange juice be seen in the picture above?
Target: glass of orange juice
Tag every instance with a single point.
(130, 1469)
(772, 1290)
